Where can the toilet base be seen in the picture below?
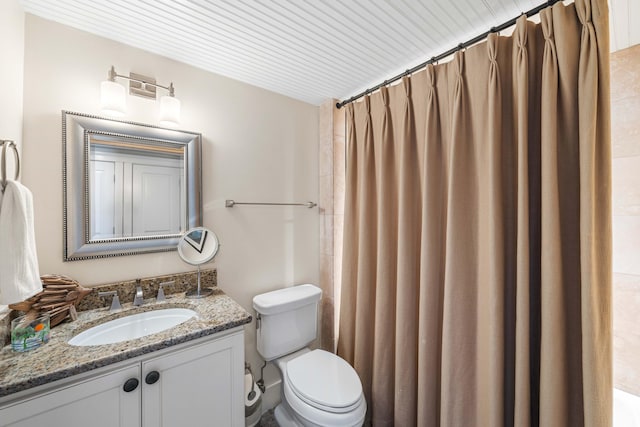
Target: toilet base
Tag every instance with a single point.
(283, 416)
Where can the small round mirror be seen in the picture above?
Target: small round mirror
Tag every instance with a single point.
(197, 246)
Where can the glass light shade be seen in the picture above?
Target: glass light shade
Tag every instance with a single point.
(169, 111)
(113, 100)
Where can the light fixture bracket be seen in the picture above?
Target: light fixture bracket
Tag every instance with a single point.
(113, 100)
(143, 86)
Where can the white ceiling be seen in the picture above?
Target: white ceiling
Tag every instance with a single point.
(310, 50)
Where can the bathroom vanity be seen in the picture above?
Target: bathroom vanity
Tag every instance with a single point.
(190, 374)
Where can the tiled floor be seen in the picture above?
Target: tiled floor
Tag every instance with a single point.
(268, 420)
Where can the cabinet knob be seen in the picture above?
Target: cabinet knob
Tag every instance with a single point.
(131, 384)
(152, 377)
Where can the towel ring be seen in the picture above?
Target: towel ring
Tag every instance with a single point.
(3, 165)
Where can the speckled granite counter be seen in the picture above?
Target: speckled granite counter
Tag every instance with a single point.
(57, 359)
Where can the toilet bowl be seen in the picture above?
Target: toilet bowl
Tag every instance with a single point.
(318, 387)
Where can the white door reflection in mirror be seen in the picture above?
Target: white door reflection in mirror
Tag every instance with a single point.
(103, 201)
(136, 190)
(157, 200)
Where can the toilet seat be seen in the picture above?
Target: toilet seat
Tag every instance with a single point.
(324, 381)
(309, 415)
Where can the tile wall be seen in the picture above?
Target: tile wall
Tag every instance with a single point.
(331, 195)
(625, 136)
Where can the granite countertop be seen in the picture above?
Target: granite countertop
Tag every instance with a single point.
(57, 359)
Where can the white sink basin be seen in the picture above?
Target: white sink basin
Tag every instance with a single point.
(132, 326)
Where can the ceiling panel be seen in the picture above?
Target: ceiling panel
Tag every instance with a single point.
(307, 49)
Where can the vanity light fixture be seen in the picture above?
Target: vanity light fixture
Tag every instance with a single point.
(113, 99)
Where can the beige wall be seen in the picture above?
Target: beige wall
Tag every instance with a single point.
(625, 102)
(11, 74)
(258, 146)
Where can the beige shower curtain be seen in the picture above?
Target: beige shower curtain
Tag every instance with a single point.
(476, 271)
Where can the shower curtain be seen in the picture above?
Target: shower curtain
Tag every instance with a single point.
(476, 282)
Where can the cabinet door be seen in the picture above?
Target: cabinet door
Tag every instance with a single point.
(97, 402)
(198, 386)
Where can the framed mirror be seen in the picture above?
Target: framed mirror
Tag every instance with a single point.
(128, 188)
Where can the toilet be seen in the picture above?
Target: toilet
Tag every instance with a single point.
(318, 387)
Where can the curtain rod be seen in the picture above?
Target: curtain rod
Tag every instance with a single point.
(451, 51)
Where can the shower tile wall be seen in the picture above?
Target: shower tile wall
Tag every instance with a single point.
(331, 205)
(339, 134)
(325, 206)
(625, 134)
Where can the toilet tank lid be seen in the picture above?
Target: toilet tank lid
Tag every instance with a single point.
(286, 299)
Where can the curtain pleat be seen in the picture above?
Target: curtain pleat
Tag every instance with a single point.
(524, 93)
(385, 306)
(459, 373)
(492, 262)
(476, 261)
(367, 246)
(408, 262)
(432, 249)
(560, 388)
(595, 207)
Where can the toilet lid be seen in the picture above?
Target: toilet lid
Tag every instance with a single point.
(322, 378)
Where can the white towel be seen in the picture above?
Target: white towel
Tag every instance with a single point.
(19, 275)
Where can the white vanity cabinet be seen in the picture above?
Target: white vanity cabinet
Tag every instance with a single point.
(97, 402)
(199, 383)
(197, 386)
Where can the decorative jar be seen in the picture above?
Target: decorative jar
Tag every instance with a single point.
(28, 334)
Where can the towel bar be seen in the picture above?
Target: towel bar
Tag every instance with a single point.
(232, 203)
(3, 165)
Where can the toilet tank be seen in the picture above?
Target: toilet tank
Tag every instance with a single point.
(287, 319)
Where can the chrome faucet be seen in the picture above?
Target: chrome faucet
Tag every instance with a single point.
(161, 296)
(139, 298)
(115, 302)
